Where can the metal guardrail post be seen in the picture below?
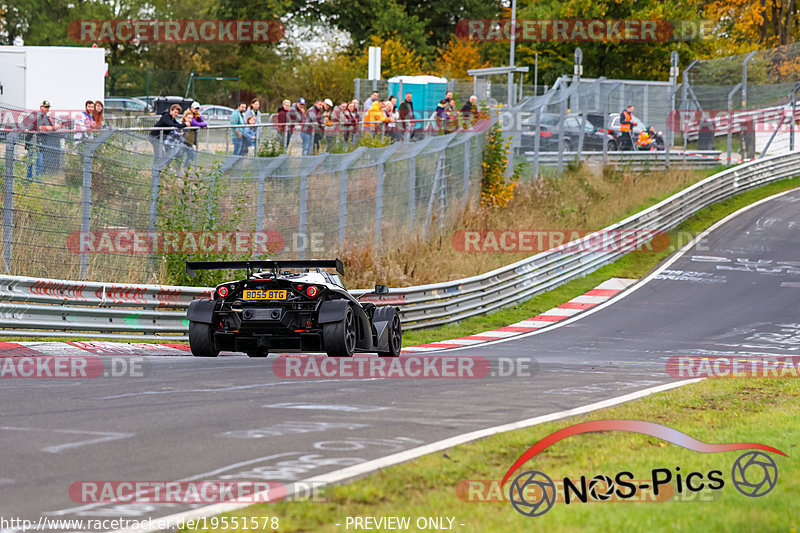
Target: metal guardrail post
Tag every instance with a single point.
(730, 123)
(86, 194)
(8, 201)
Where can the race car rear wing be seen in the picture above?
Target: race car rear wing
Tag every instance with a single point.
(251, 266)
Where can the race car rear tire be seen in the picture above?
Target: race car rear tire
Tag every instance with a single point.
(340, 337)
(258, 353)
(201, 340)
(395, 337)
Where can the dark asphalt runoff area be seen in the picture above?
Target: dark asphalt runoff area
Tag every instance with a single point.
(231, 418)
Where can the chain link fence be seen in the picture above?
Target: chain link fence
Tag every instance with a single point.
(111, 204)
(744, 103)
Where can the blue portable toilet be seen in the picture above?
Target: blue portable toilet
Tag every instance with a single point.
(426, 92)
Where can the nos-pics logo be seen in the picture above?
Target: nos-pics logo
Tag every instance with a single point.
(532, 493)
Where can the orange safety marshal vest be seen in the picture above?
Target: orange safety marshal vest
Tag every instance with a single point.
(625, 121)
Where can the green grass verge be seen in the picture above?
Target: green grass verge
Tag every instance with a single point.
(633, 265)
(715, 411)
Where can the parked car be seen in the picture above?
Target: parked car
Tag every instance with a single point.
(275, 310)
(216, 114)
(550, 134)
(123, 105)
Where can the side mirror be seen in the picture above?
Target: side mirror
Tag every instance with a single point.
(381, 289)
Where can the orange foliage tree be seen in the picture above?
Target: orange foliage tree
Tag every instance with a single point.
(458, 57)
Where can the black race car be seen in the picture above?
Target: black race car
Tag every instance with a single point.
(273, 309)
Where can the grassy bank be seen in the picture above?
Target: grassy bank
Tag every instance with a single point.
(714, 411)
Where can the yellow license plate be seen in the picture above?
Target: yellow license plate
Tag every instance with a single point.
(253, 294)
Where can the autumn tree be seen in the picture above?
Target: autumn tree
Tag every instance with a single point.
(458, 57)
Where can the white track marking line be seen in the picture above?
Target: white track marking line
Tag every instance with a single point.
(359, 470)
(103, 436)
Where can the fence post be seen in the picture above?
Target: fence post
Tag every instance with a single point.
(467, 142)
(301, 226)
(86, 194)
(412, 192)
(262, 176)
(8, 200)
(379, 206)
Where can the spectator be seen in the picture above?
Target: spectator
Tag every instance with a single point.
(406, 115)
(337, 122)
(197, 120)
(375, 117)
(98, 114)
(42, 141)
(469, 112)
(237, 119)
(450, 121)
(253, 111)
(162, 138)
(281, 122)
(355, 103)
(189, 140)
(390, 128)
(350, 122)
(309, 127)
(371, 100)
(85, 122)
(441, 113)
(297, 116)
(327, 105)
(315, 127)
(393, 100)
(249, 135)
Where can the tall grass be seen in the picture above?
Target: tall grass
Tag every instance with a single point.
(579, 200)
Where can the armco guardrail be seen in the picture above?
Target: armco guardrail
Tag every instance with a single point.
(43, 307)
(636, 161)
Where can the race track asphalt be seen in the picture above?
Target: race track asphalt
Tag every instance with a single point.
(232, 418)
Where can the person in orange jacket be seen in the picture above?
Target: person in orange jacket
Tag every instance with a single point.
(375, 117)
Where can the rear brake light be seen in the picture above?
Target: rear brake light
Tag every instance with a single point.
(312, 291)
(223, 291)
(546, 134)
